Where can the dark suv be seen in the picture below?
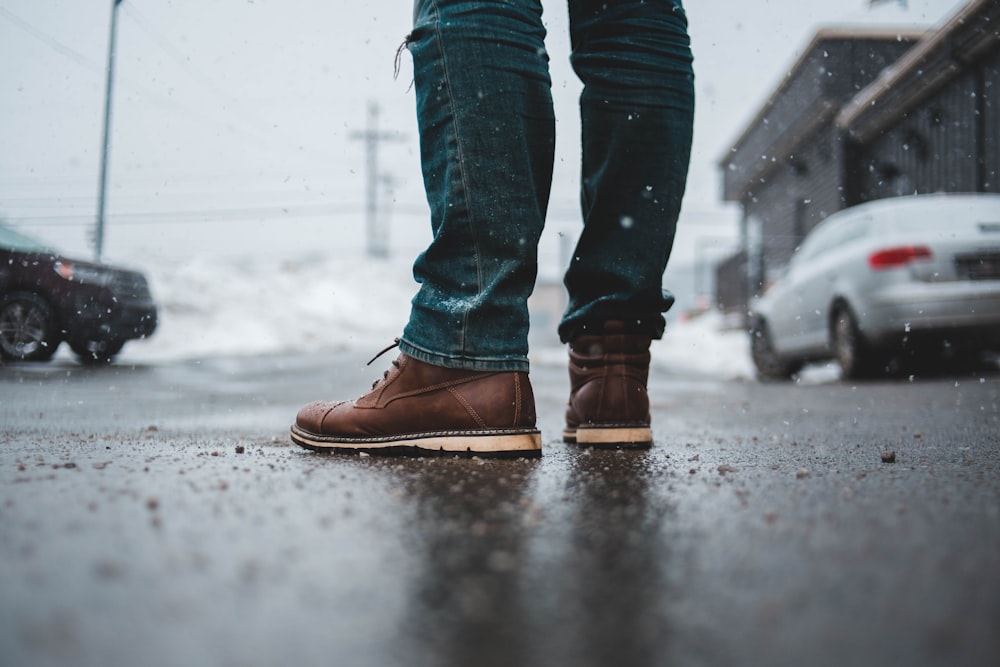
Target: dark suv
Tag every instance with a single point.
(46, 298)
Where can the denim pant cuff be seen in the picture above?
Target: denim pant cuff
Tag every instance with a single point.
(519, 364)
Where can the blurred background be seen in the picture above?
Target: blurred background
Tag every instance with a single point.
(263, 167)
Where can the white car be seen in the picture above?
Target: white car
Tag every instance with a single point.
(889, 279)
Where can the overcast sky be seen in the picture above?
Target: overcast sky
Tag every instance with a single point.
(233, 119)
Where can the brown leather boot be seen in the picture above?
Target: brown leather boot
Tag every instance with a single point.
(608, 403)
(418, 408)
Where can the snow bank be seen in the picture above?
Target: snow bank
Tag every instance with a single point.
(225, 306)
(705, 345)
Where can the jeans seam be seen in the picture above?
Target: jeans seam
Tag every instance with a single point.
(460, 159)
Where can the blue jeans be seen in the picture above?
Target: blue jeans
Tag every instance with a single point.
(487, 134)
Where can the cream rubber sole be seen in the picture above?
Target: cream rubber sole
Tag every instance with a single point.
(624, 436)
(493, 442)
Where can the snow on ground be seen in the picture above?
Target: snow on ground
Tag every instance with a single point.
(705, 345)
(231, 306)
(223, 306)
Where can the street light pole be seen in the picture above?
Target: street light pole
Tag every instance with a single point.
(103, 187)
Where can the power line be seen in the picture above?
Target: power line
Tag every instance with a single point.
(184, 62)
(52, 43)
(201, 216)
(100, 69)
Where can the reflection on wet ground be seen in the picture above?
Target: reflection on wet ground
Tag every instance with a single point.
(160, 516)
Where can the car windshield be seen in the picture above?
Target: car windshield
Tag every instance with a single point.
(11, 240)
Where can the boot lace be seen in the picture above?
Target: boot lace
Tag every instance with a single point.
(395, 362)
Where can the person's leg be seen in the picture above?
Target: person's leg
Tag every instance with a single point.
(487, 136)
(637, 111)
(484, 110)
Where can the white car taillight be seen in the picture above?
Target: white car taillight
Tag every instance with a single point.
(893, 258)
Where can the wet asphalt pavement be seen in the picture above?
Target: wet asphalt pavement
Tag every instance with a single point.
(159, 516)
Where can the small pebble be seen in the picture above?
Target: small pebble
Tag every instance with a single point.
(888, 457)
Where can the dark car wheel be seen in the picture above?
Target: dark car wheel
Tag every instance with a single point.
(856, 358)
(97, 352)
(770, 365)
(27, 332)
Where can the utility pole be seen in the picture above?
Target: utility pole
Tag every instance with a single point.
(377, 228)
(103, 187)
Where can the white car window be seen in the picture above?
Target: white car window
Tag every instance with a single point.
(832, 234)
